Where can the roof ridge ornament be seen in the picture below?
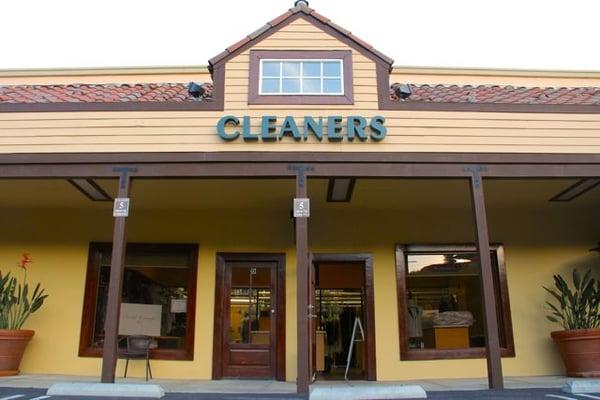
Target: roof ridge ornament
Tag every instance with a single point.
(301, 3)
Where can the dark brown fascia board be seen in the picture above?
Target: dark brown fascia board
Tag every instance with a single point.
(283, 170)
(313, 17)
(297, 157)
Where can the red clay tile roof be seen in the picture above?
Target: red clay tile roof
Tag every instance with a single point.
(105, 93)
(177, 92)
(501, 94)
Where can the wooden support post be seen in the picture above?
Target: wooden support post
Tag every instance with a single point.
(302, 266)
(492, 342)
(115, 287)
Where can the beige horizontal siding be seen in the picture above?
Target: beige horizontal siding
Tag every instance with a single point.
(118, 130)
(243, 58)
(492, 126)
(405, 115)
(355, 147)
(451, 76)
(408, 131)
(191, 135)
(104, 75)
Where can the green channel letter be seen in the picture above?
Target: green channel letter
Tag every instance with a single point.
(223, 122)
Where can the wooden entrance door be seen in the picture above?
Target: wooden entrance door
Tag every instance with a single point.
(249, 317)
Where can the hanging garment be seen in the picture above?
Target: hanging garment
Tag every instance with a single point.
(415, 318)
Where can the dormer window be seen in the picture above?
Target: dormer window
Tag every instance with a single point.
(307, 77)
(300, 77)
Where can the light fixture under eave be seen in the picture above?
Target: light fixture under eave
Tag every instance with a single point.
(576, 190)
(340, 189)
(90, 189)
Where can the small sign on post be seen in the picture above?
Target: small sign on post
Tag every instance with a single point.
(301, 208)
(121, 207)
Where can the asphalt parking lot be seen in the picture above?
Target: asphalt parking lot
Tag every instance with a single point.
(526, 394)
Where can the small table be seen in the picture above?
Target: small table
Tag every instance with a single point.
(447, 337)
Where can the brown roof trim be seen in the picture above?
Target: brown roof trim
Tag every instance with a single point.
(316, 19)
(298, 157)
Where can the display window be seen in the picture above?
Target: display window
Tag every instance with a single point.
(158, 298)
(441, 302)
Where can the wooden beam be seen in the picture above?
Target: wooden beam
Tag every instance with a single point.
(579, 188)
(302, 310)
(280, 170)
(115, 287)
(298, 157)
(492, 342)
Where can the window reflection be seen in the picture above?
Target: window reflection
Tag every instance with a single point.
(250, 305)
(155, 286)
(445, 300)
(301, 77)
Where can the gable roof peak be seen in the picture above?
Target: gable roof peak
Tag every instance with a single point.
(300, 6)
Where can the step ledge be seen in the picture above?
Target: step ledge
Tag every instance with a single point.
(367, 392)
(106, 390)
(582, 386)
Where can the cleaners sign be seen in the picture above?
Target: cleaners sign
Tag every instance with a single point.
(332, 128)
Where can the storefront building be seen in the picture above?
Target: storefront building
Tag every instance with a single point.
(303, 187)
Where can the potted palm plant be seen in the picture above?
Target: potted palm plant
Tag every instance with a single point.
(577, 309)
(17, 303)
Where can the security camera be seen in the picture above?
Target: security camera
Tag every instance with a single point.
(195, 90)
(403, 91)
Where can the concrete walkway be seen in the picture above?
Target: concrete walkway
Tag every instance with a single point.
(274, 387)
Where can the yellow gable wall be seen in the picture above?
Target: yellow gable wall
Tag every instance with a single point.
(299, 35)
(408, 131)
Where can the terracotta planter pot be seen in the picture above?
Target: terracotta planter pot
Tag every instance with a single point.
(580, 351)
(12, 346)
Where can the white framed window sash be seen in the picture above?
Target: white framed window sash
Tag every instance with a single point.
(301, 77)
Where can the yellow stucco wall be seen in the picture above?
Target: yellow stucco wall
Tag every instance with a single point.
(536, 245)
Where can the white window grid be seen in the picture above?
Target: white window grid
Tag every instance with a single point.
(301, 61)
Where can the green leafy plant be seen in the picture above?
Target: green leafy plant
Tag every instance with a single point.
(578, 308)
(17, 303)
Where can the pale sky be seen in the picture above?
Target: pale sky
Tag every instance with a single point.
(522, 34)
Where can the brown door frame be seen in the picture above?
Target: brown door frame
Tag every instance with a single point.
(218, 332)
(367, 260)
